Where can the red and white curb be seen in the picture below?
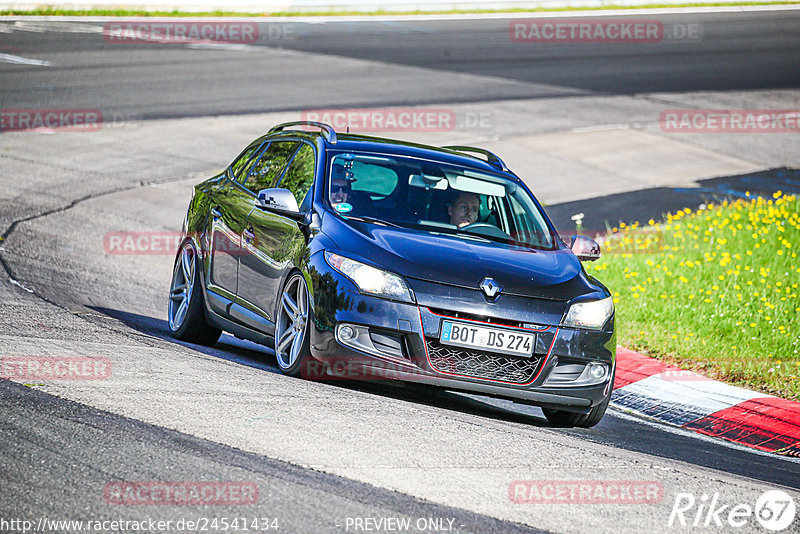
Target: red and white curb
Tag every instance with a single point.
(686, 399)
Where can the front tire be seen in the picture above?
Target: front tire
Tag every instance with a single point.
(582, 420)
(292, 339)
(572, 419)
(187, 321)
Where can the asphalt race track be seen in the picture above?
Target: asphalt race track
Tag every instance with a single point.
(440, 61)
(580, 122)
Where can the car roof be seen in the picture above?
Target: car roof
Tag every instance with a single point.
(363, 143)
(366, 143)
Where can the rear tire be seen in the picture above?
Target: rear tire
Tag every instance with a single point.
(187, 320)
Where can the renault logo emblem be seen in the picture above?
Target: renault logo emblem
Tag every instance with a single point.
(490, 288)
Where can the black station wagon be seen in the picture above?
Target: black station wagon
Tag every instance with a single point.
(360, 257)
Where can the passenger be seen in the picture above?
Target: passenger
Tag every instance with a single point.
(340, 186)
(340, 191)
(463, 210)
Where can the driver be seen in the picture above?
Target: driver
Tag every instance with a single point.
(463, 210)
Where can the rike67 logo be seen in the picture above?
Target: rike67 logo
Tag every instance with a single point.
(774, 510)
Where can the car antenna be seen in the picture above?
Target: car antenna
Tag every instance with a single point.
(348, 128)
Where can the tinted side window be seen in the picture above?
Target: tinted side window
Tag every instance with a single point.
(300, 175)
(270, 165)
(240, 166)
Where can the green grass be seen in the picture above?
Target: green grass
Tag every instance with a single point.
(715, 291)
(52, 11)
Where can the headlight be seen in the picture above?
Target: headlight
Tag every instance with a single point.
(369, 279)
(592, 315)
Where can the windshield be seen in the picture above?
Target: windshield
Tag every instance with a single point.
(435, 197)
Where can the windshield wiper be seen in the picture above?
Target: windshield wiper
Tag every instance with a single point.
(498, 239)
(485, 237)
(374, 220)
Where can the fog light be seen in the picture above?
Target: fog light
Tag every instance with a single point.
(597, 371)
(346, 333)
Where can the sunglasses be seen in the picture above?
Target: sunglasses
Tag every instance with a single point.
(342, 188)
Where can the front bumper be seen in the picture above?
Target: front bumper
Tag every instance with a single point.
(400, 341)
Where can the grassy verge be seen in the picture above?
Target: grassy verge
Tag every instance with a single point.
(715, 291)
(52, 11)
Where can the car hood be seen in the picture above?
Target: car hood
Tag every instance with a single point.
(461, 261)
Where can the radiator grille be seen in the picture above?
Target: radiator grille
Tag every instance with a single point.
(484, 365)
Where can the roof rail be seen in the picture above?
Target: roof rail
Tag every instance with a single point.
(329, 132)
(491, 158)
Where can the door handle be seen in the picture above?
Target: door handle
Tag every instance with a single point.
(216, 213)
(249, 235)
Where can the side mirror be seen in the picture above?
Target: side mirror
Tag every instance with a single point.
(584, 248)
(280, 201)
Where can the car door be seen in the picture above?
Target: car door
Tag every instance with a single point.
(230, 205)
(264, 240)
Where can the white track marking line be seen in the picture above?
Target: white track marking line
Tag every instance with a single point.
(39, 26)
(222, 46)
(8, 58)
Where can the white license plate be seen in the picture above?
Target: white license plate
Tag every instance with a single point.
(489, 339)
